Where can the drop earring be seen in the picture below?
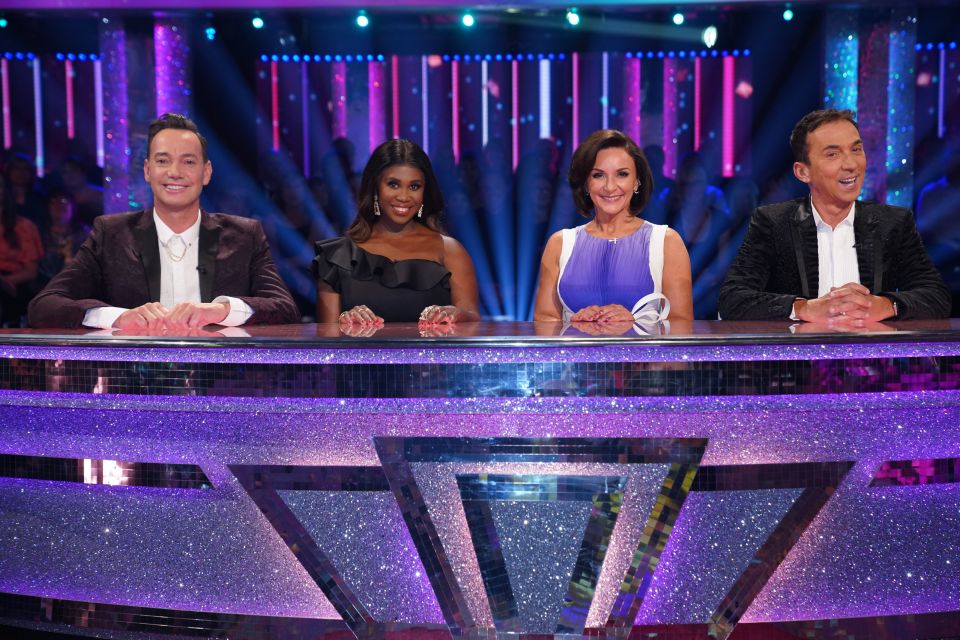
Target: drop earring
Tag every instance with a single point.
(376, 205)
(637, 189)
(420, 212)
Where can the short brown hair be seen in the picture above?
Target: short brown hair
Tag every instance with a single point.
(175, 121)
(585, 157)
(811, 122)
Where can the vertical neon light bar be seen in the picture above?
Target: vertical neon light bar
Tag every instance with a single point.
(484, 104)
(172, 60)
(424, 111)
(305, 116)
(7, 133)
(98, 109)
(841, 59)
(669, 117)
(728, 106)
(275, 105)
(901, 106)
(395, 91)
(338, 79)
(575, 63)
(545, 117)
(455, 109)
(605, 91)
(515, 111)
(941, 91)
(696, 104)
(38, 117)
(377, 122)
(117, 171)
(68, 82)
(631, 107)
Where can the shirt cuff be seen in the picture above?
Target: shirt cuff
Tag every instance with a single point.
(239, 312)
(102, 317)
(793, 310)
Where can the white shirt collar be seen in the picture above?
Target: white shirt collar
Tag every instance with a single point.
(164, 233)
(846, 222)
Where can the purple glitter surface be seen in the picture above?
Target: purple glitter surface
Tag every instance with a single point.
(717, 530)
(371, 548)
(197, 550)
(870, 551)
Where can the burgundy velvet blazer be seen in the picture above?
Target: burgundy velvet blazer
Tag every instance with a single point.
(119, 266)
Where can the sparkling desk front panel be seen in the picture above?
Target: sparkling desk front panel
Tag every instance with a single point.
(511, 477)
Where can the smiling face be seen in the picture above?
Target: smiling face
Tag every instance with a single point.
(835, 166)
(176, 172)
(400, 193)
(611, 182)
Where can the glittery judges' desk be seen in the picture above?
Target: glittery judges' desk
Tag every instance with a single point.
(737, 479)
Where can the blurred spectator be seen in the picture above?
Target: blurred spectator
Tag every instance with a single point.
(64, 236)
(87, 198)
(20, 253)
(22, 185)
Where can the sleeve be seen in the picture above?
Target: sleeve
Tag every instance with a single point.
(918, 287)
(78, 287)
(239, 312)
(269, 297)
(744, 295)
(327, 264)
(31, 246)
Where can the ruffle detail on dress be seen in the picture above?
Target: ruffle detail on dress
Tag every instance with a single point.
(342, 253)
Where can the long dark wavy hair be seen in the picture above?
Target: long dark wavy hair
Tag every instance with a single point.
(389, 154)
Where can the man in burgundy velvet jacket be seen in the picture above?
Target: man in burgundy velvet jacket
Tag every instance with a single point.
(173, 266)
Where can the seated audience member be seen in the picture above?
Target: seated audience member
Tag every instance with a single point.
(64, 236)
(617, 267)
(172, 266)
(827, 257)
(20, 253)
(87, 198)
(395, 265)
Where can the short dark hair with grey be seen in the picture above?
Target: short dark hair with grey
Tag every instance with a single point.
(810, 123)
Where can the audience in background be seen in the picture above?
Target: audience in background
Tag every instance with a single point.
(20, 252)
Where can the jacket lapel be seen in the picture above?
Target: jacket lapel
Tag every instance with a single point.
(869, 249)
(803, 228)
(207, 255)
(148, 250)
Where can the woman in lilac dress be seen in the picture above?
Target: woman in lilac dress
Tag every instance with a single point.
(617, 267)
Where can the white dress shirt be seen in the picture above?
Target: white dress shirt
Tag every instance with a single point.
(836, 252)
(179, 279)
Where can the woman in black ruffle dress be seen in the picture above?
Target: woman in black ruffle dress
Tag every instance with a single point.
(395, 264)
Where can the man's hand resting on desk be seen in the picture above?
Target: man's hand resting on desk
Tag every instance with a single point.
(153, 316)
(850, 304)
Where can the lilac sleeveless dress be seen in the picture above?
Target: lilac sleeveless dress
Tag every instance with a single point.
(627, 271)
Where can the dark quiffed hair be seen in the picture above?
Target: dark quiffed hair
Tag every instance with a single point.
(175, 121)
(585, 157)
(809, 123)
(389, 154)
